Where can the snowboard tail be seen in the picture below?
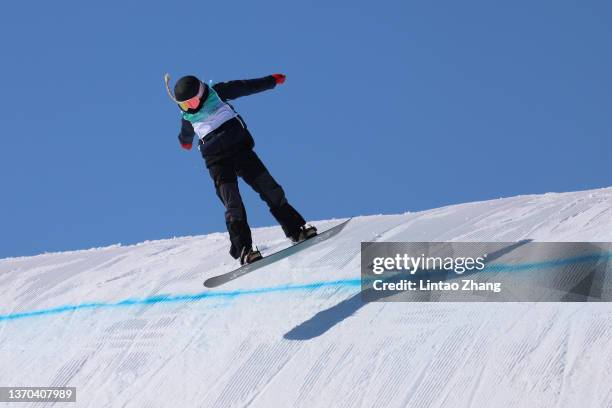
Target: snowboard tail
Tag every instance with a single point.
(276, 256)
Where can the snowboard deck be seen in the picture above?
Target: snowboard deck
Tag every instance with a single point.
(276, 256)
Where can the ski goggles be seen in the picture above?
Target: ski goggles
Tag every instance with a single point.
(192, 103)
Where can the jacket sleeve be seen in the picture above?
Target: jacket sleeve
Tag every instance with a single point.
(235, 89)
(187, 133)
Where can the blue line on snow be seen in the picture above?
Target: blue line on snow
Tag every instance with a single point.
(343, 283)
(607, 256)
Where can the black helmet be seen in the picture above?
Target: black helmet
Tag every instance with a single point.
(186, 88)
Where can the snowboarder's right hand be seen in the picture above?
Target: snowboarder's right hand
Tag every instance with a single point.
(186, 146)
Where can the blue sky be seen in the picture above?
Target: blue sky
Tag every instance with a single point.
(389, 106)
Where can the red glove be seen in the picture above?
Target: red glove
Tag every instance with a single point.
(186, 146)
(280, 78)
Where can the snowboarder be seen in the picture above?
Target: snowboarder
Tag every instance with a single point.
(227, 148)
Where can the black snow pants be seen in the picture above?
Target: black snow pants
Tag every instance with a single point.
(246, 164)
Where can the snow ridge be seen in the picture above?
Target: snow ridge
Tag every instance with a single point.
(132, 325)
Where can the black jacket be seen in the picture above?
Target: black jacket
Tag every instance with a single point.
(232, 136)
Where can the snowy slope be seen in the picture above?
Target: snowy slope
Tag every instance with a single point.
(133, 326)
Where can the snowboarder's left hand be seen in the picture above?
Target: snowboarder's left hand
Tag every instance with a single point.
(280, 78)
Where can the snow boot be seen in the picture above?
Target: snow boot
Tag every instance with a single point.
(249, 255)
(305, 232)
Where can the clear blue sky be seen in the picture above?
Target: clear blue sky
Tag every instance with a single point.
(389, 106)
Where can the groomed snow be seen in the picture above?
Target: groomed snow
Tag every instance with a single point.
(133, 325)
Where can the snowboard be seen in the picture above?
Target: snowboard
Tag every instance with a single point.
(276, 256)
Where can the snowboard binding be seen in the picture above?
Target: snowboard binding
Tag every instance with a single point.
(249, 255)
(305, 232)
